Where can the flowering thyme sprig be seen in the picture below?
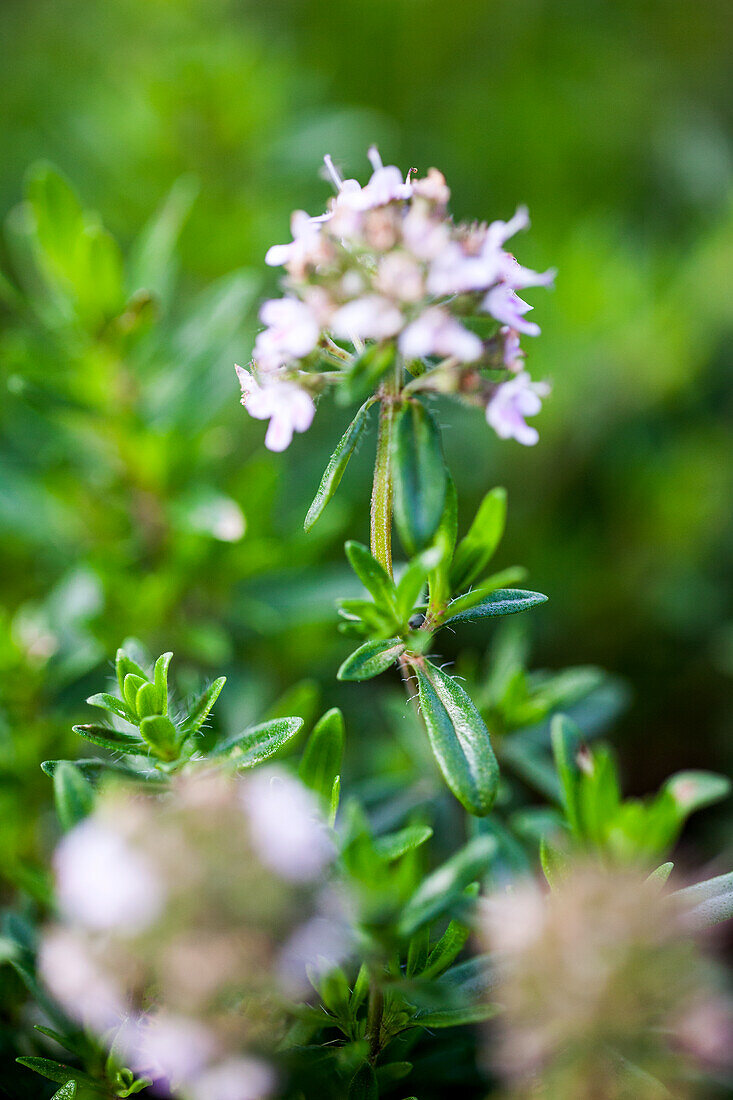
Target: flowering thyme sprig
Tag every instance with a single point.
(387, 266)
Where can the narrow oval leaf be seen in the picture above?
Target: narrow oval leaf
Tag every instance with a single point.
(148, 701)
(370, 659)
(161, 735)
(73, 794)
(693, 790)
(405, 840)
(566, 739)
(111, 739)
(320, 764)
(364, 1084)
(66, 1092)
(371, 574)
(476, 549)
(130, 688)
(160, 677)
(202, 706)
(441, 889)
(337, 464)
(124, 663)
(110, 702)
(61, 1074)
(458, 737)
(258, 743)
(420, 476)
(456, 1017)
(414, 579)
(502, 601)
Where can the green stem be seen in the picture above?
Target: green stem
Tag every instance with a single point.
(375, 1013)
(381, 509)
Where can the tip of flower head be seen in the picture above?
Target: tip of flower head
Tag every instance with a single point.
(374, 158)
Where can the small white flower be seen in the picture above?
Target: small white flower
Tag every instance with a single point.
(306, 247)
(512, 353)
(512, 402)
(454, 271)
(435, 332)
(322, 940)
(292, 332)
(234, 1079)
(165, 1047)
(506, 306)
(288, 407)
(103, 883)
(425, 237)
(399, 276)
(71, 973)
(369, 318)
(286, 827)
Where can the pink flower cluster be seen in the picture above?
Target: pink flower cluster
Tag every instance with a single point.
(387, 263)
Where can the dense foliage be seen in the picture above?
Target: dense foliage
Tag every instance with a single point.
(135, 499)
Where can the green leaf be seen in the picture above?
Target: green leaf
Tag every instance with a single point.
(476, 549)
(502, 601)
(124, 663)
(337, 464)
(445, 886)
(420, 476)
(448, 947)
(60, 1073)
(554, 864)
(66, 1092)
(456, 1017)
(111, 702)
(320, 764)
(364, 1084)
(365, 373)
(660, 874)
(394, 845)
(258, 743)
(458, 737)
(73, 794)
(162, 736)
(417, 952)
(414, 579)
(694, 790)
(148, 701)
(370, 659)
(372, 575)
(393, 1071)
(152, 258)
(130, 688)
(160, 678)
(201, 707)
(566, 738)
(111, 739)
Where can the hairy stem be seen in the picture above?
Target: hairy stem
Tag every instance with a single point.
(381, 508)
(375, 1012)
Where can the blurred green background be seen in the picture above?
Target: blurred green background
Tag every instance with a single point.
(126, 462)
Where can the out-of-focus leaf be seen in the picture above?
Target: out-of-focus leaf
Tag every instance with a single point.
(477, 547)
(73, 794)
(406, 840)
(320, 764)
(152, 260)
(694, 790)
(443, 888)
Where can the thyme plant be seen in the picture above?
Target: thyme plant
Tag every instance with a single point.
(232, 922)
